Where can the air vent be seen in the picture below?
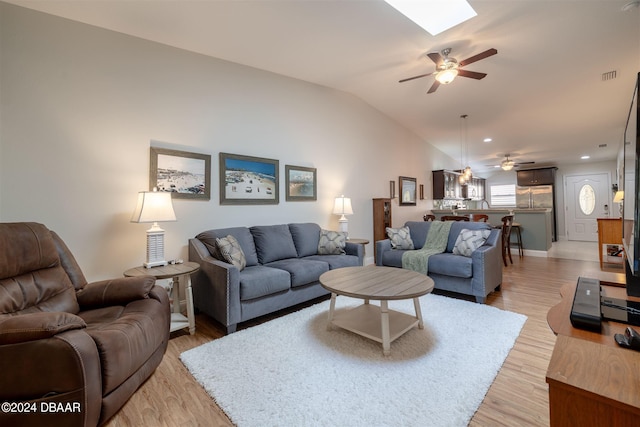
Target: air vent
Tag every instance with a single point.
(609, 75)
(602, 145)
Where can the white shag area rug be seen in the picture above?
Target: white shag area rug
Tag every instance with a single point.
(292, 371)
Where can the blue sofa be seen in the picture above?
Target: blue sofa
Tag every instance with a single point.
(477, 275)
(282, 269)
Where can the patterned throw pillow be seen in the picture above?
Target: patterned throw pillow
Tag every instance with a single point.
(332, 243)
(231, 251)
(470, 240)
(400, 238)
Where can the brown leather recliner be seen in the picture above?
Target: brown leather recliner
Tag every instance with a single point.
(71, 352)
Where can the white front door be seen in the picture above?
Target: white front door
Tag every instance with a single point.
(587, 198)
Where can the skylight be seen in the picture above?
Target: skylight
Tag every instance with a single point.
(435, 16)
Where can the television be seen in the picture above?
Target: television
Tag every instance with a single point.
(631, 188)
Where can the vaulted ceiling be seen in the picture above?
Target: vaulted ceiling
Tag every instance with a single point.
(544, 99)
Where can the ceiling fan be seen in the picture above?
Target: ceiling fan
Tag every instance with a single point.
(447, 68)
(507, 164)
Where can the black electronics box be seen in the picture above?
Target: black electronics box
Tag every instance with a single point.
(585, 311)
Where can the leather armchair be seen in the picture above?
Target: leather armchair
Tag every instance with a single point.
(71, 352)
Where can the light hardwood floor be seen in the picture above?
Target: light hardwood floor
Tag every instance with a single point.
(518, 396)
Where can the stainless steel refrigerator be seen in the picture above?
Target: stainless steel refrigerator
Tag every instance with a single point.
(537, 197)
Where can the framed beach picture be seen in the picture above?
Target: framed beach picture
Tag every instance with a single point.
(301, 183)
(246, 180)
(407, 191)
(186, 175)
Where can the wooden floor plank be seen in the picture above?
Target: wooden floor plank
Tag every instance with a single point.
(518, 396)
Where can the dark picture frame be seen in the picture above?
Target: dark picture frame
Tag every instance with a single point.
(301, 183)
(247, 180)
(184, 174)
(407, 191)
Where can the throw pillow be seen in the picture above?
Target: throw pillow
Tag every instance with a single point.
(332, 243)
(231, 251)
(400, 238)
(470, 240)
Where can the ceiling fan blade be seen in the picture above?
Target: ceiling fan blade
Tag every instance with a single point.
(415, 77)
(478, 57)
(435, 57)
(524, 163)
(471, 74)
(434, 87)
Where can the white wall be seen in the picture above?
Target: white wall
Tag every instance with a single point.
(81, 105)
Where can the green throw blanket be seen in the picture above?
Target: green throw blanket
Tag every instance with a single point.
(436, 243)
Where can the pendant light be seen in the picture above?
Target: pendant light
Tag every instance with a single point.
(466, 173)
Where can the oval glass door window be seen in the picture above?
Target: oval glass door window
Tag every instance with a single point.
(587, 199)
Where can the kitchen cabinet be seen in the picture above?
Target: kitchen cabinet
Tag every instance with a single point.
(446, 185)
(542, 176)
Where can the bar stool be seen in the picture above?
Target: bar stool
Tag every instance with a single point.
(507, 224)
(518, 243)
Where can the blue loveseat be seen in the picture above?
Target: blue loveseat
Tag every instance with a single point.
(477, 275)
(282, 269)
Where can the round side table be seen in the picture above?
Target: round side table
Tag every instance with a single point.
(180, 275)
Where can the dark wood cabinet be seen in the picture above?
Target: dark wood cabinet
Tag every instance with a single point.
(543, 176)
(381, 220)
(446, 185)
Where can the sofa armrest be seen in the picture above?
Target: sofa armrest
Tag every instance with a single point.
(382, 246)
(36, 326)
(120, 291)
(355, 249)
(487, 265)
(216, 286)
(59, 369)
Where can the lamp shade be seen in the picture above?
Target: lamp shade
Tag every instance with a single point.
(619, 197)
(153, 206)
(342, 206)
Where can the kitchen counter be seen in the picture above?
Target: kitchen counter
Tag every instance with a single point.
(535, 225)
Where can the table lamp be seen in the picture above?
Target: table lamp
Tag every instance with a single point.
(154, 206)
(619, 199)
(342, 207)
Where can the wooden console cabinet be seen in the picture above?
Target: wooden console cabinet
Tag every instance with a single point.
(592, 381)
(381, 220)
(609, 233)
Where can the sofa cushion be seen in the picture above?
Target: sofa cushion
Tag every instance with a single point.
(121, 357)
(400, 238)
(418, 231)
(231, 251)
(273, 242)
(393, 258)
(306, 238)
(258, 281)
(302, 271)
(470, 240)
(452, 265)
(337, 261)
(242, 235)
(331, 243)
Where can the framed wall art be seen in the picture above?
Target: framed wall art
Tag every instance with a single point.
(407, 191)
(301, 183)
(246, 180)
(186, 175)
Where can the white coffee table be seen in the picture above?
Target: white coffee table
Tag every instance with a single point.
(377, 323)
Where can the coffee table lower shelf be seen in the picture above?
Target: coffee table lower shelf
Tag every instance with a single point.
(373, 322)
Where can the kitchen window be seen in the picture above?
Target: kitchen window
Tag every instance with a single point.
(503, 195)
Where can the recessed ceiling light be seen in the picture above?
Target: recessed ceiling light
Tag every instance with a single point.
(487, 140)
(435, 16)
(585, 157)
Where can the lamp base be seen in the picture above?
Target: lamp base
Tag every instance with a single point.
(155, 264)
(155, 247)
